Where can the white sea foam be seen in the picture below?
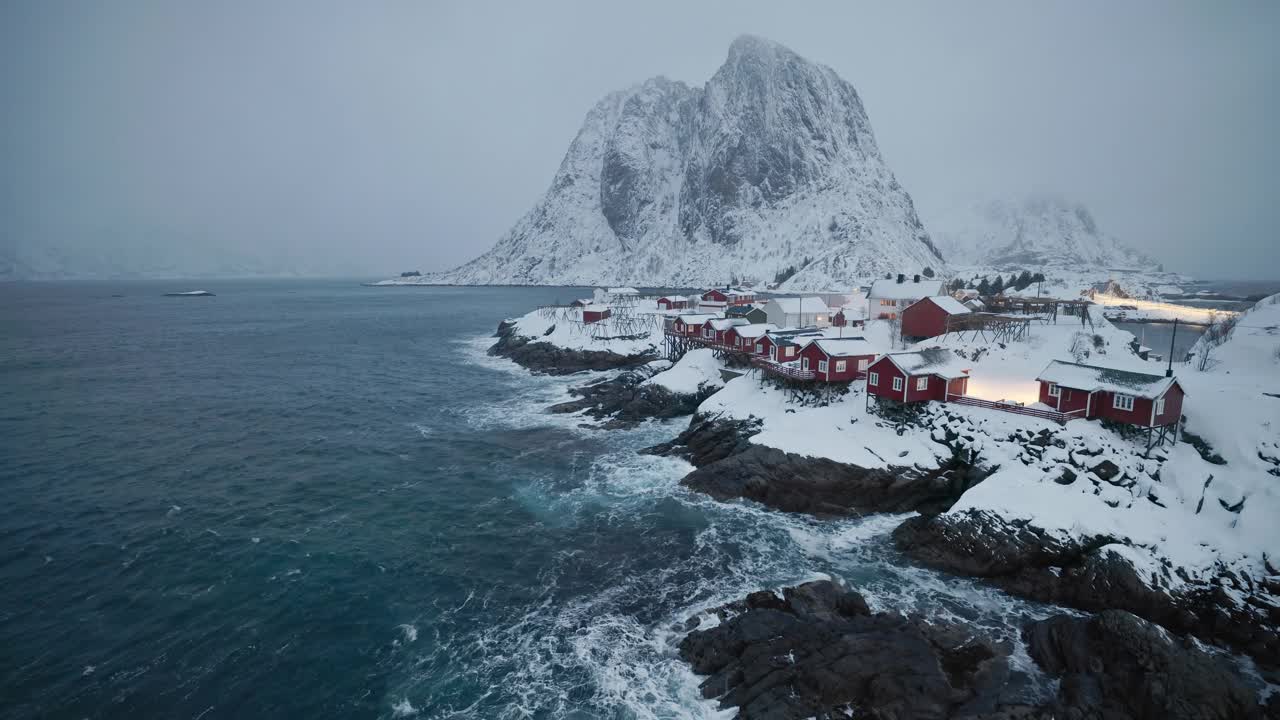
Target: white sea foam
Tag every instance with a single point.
(611, 650)
(403, 708)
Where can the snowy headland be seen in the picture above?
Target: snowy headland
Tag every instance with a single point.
(1089, 514)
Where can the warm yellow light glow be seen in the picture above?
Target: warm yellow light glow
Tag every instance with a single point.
(986, 387)
(1182, 312)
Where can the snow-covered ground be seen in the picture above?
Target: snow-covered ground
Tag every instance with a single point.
(696, 370)
(626, 332)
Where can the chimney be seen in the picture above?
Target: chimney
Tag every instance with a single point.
(915, 278)
(901, 278)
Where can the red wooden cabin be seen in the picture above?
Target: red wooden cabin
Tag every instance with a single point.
(690, 325)
(745, 337)
(1126, 396)
(927, 317)
(719, 327)
(715, 296)
(594, 313)
(672, 302)
(932, 374)
(837, 359)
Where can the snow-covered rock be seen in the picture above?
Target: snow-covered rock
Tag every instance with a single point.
(696, 371)
(771, 165)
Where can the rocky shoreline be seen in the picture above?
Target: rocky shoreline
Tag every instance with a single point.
(729, 466)
(819, 651)
(625, 401)
(1092, 574)
(547, 359)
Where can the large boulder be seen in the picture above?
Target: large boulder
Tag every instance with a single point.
(709, 438)
(818, 651)
(1117, 666)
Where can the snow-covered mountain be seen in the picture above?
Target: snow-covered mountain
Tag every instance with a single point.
(772, 164)
(1037, 232)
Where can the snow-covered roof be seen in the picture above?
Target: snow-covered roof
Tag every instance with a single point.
(696, 318)
(623, 291)
(726, 323)
(673, 298)
(754, 330)
(798, 305)
(893, 290)
(845, 347)
(1093, 378)
(949, 304)
(930, 361)
(595, 308)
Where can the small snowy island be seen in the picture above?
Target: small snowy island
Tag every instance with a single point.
(1030, 442)
(190, 293)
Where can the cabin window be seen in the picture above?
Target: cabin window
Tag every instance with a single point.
(804, 363)
(873, 378)
(897, 384)
(1054, 390)
(737, 341)
(862, 365)
(790, 351)
(822, 366)
(1122, 402)
(759, 347)
(922, 383)
(840, 365)
(1160, 406)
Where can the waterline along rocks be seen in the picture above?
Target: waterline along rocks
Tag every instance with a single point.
(544, 357)
(818, 650)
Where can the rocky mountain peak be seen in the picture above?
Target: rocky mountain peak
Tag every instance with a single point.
(770, 168)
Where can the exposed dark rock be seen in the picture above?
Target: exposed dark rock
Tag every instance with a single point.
(1084, 573)
(626, 401)
(1117, 666)
(819, 486)
(543, 357)
(819, 651)
(709, 438)
(730, 466)
(1105, 470)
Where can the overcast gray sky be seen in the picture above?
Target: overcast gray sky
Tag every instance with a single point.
(370, 137)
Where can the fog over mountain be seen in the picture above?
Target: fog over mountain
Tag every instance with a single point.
(144, 138)
(1042, 231)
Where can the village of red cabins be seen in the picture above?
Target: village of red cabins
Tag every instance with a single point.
(785, 338)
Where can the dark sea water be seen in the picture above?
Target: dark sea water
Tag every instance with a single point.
(306, 499)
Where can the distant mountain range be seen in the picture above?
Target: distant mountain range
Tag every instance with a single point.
(769, 170)
(1037, 232)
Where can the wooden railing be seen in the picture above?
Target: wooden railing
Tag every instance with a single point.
(791, 372)
(1054, 415)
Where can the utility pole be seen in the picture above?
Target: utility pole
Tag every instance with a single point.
(1169, 371)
